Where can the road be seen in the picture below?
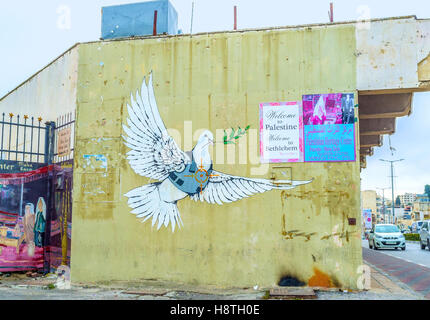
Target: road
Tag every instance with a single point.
(411, 267)
(413, 253)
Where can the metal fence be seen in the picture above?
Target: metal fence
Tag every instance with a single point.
(29, 139)
(23, 138)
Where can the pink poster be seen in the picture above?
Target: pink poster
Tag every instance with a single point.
(329, 128)
(321, 109)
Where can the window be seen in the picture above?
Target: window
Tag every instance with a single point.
(386, 229)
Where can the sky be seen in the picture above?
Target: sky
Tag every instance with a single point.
(33, 33)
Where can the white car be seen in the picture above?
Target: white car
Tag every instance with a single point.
(416, 226)
(425, 235)
(385, 236)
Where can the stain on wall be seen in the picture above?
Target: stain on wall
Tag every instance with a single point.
(320, 279)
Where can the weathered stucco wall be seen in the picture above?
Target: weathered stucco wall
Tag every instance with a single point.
(48, 94)
(389, 51)
(216, 81)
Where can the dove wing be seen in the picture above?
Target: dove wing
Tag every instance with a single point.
(224, 188)
(154, 153)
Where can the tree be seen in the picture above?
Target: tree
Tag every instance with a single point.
(398, 201)
(427, 190)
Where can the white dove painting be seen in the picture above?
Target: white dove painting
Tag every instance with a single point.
(155, 155)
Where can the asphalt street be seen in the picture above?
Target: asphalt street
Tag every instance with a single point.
(411, 267)
(412, 254)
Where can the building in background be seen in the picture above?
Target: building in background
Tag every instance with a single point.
(380, 207)
(369, 202)
(421, 207)
(407, 199)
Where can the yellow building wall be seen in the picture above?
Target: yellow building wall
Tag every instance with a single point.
(217, 81)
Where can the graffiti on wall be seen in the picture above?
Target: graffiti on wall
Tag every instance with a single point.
(154, 154)
(23, 220)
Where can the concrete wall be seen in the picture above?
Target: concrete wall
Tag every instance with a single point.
(49, 94)
(389, 51)
(215, 81)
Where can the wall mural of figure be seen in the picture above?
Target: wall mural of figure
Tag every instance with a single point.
(155, 155)
(25, 223)
(322, 109)
(348, 109)
(40, 223)
(29, 221)
(320, 114)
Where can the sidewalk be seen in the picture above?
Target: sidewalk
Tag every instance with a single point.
(19, 286)
(382, 287)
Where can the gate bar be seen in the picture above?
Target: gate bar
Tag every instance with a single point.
(17, 135)
(2, 136)
(31, 141)
(10, 134)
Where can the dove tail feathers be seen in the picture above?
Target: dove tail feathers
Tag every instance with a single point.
(147, 203)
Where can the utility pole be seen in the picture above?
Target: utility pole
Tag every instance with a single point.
(330, 13)
(192, 18)
(235, 18)
(392, 183)
(383, 201)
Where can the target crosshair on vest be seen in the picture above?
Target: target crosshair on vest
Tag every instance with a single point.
(201, 176)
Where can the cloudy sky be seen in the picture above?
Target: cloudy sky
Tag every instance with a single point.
(32, 34)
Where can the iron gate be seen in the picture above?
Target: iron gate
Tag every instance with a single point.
(26, 140)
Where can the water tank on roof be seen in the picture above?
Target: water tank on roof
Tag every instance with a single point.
(137, 19)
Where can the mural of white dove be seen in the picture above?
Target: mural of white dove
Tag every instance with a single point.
(155, 155)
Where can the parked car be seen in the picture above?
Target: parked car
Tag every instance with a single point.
(425, 235)
(416, 226)
(384, 236)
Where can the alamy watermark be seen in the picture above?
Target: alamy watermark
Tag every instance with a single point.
(363, 20)
(245, 150)
(364, 280)
(64, 19)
